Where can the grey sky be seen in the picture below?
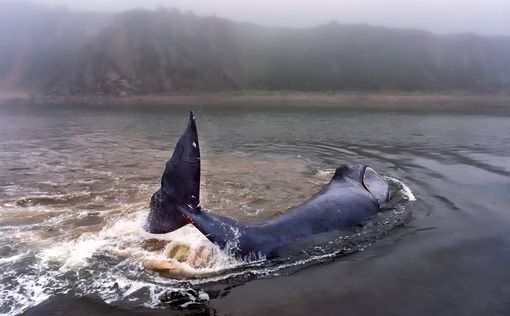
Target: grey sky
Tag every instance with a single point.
(444, 16)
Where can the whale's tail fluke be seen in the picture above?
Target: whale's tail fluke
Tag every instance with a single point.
(181, 179)
(180, 185)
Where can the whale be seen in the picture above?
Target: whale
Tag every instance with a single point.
(354, 194)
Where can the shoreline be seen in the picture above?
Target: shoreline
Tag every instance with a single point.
(345, 100)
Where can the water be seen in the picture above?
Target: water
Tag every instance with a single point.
(76, 181)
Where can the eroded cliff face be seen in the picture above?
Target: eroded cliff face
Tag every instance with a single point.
(63, 52)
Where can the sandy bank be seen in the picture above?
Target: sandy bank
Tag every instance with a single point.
(9, 95)
(297, 99)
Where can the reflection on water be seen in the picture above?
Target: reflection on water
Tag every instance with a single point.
(76, 183)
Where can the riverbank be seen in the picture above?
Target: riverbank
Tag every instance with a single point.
(12, 95)
(491, 103)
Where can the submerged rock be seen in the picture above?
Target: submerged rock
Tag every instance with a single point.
(184, 298)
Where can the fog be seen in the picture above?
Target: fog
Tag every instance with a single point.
(442, 16)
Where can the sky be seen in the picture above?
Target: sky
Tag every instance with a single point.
(490, 17)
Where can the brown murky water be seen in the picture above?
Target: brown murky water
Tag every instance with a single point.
(76, 182)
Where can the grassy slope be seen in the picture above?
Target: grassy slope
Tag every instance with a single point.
(164, 51)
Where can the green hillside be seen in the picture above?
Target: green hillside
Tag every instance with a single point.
(58, 51)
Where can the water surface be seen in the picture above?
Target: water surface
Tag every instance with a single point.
(76, 182)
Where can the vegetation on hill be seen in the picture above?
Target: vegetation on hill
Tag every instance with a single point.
(63, 52)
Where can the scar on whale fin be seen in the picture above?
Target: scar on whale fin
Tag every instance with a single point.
(181, 178)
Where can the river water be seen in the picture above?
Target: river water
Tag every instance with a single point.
(75, 183)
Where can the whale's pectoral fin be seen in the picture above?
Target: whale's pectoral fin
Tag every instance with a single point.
(181, 179)
(376, 185)
(366, 176)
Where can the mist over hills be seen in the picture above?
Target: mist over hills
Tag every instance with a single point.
(64, 52)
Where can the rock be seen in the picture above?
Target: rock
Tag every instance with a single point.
(184, 298)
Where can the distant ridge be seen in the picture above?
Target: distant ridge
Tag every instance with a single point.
(64, 52)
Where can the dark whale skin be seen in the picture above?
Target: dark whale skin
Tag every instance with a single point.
(344, 203)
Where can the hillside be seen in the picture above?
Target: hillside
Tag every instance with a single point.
(63, 52)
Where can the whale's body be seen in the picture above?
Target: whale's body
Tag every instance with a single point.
(354, 194)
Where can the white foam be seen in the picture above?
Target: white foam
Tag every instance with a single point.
(13, 258)
(31, 290)
(404, 190)
(125, 238)
(73, 253)
(324, 172)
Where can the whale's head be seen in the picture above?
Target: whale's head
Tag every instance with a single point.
(368, 178)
